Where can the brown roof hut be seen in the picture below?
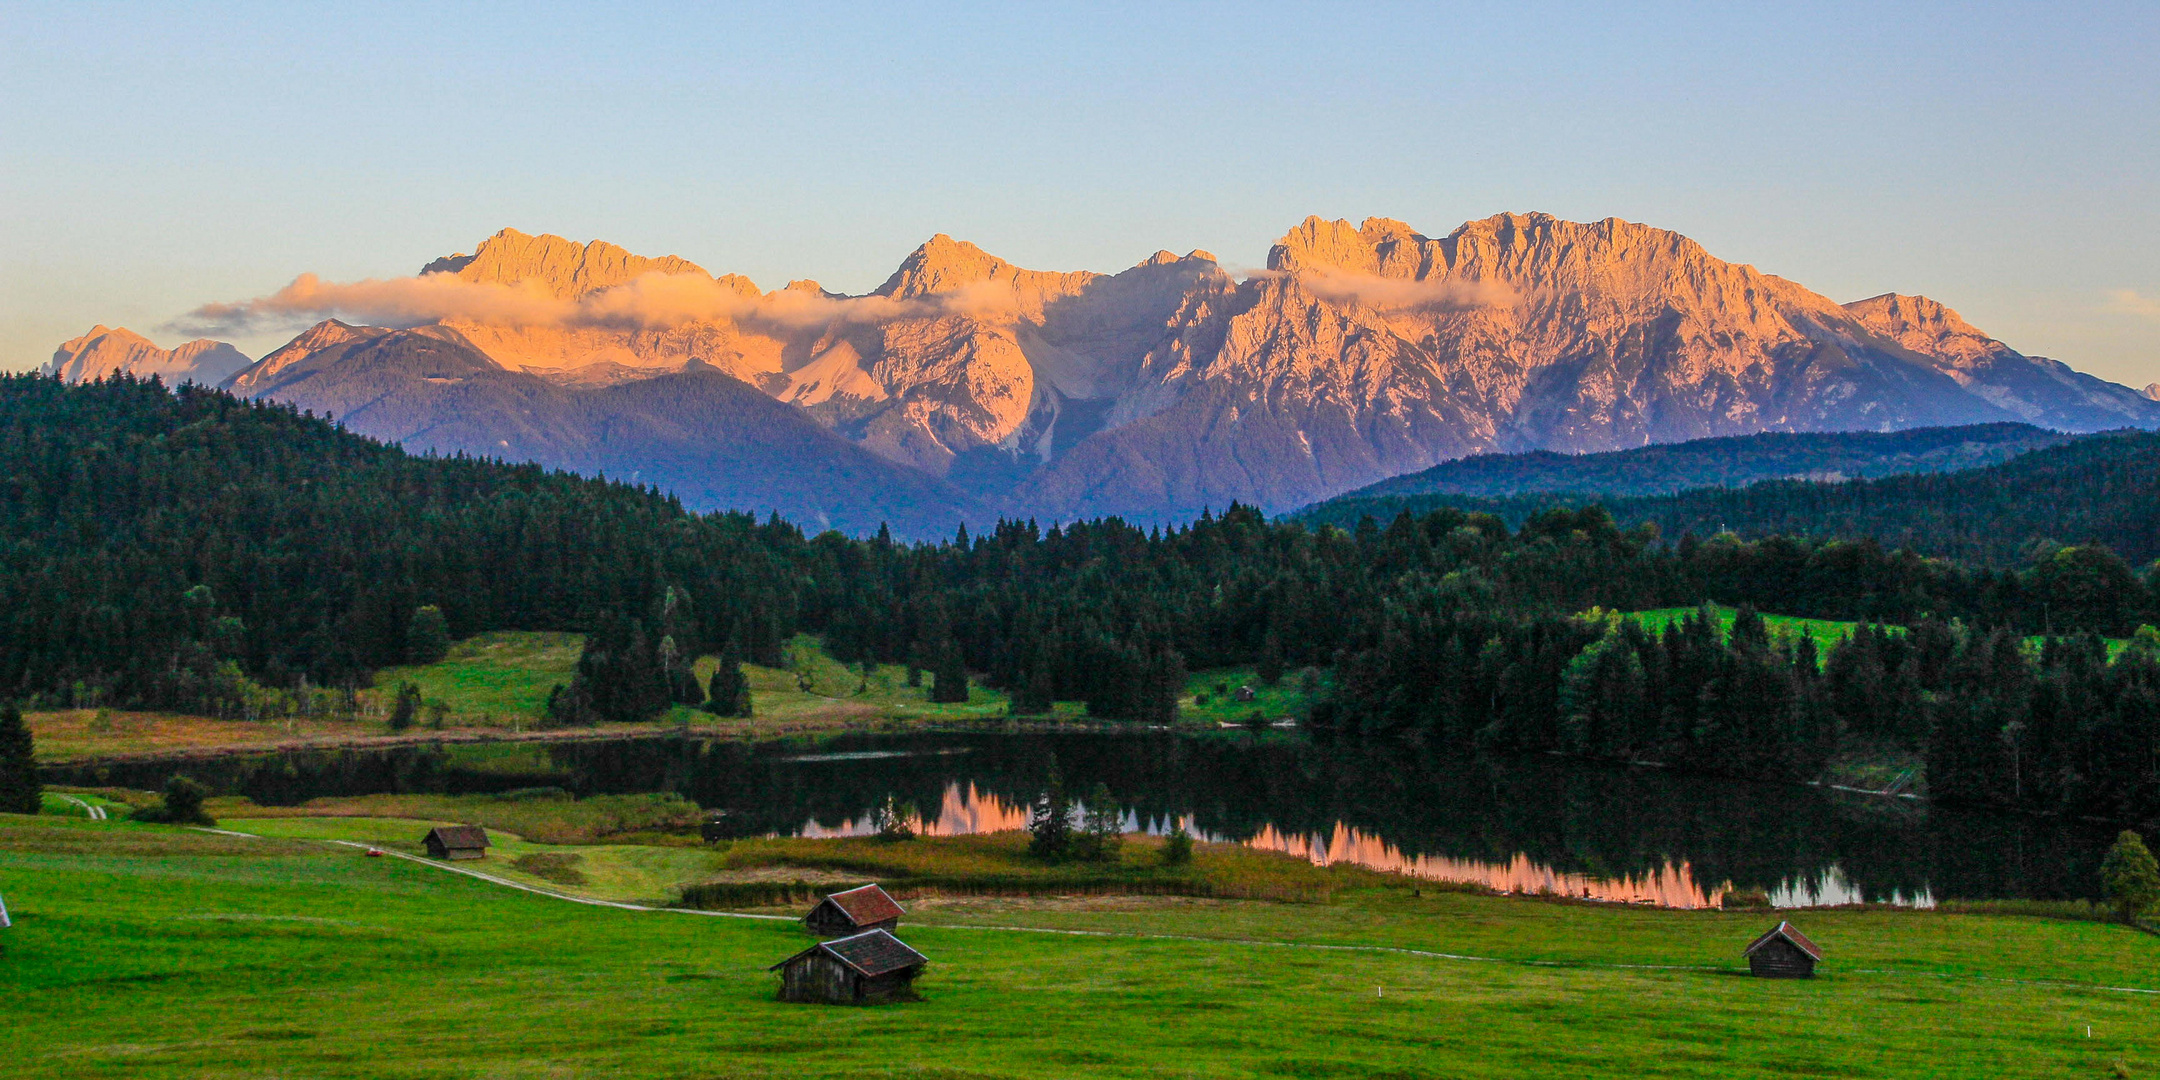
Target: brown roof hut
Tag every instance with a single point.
(457, 842)
(1782, 953)
(865, 969)
(852, 912)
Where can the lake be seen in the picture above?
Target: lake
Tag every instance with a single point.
(1517, 824)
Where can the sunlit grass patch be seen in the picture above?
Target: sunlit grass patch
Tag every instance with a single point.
(494, 678)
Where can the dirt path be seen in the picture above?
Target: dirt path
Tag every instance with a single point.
(97, 813)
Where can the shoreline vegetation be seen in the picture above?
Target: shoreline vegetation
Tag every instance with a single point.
(494, 688)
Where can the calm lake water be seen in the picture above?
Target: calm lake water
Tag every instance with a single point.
(1516, 824)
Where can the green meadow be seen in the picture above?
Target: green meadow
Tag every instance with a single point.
(1826, 632)
(145, 951)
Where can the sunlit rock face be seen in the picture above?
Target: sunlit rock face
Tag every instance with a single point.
(105, 352)
(2031, 388)
(1360, 352)
(2153, 391)
(1373, 350)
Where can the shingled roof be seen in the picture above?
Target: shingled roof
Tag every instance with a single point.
(1784, 930)
(871, 953)
(459, 836)
(866, 905)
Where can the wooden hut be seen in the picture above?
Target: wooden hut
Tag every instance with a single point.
(457, 842)
(865, 969)
(852, 912)
(1782, 953)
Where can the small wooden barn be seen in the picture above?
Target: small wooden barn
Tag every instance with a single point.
(852, 912)
(865, 969)
(457, 842)
(1782, 953)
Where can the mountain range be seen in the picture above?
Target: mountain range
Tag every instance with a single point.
(965, 387)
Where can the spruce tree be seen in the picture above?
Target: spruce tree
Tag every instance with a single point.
(1103, 829)
(406, 708)
(2130, 878)
(20, 791)
(1034, 695)
(729, 688)
(427, 638)
(1271, 659)
(949, 683)
(1050, 824)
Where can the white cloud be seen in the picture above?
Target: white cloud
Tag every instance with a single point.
(2132, 302)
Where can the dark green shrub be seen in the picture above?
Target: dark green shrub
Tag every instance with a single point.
(183, 804)
(1177, 847)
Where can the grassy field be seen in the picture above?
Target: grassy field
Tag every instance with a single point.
(491, 678)
(1288, 699)
(141, 951)
(1826, 632)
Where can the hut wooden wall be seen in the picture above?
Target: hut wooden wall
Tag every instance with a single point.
(820, 978)
(1780, 959)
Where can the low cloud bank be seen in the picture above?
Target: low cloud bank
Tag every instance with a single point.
(651, 302)
(1399, 294)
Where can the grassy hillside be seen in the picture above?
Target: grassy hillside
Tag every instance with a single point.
(146, 952)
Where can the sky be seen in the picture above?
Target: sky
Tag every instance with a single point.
(2002, 159)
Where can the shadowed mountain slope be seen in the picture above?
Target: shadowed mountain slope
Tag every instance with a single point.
(712, 440)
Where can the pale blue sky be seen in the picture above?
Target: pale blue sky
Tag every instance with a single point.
(2004, 160)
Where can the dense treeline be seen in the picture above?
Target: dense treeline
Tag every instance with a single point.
(2097, 490)
(175, 548)
(2060, 729)
(195, 551)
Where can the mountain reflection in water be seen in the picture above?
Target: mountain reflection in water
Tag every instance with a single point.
(967, 809)
(1516, 824)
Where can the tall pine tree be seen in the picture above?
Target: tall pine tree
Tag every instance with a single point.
(20, 792)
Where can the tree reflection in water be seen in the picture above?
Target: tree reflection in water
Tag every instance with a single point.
(1517, 824)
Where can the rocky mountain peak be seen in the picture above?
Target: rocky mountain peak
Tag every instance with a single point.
(995, 289)
(567, 269)
(107, 351)
(1926, 327)
(1324, 246)
(2153, 391)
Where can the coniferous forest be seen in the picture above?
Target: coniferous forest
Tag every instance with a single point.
(195, 552)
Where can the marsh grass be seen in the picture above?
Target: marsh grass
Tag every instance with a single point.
(2079, 910)
(999, 864)
(559, 867)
